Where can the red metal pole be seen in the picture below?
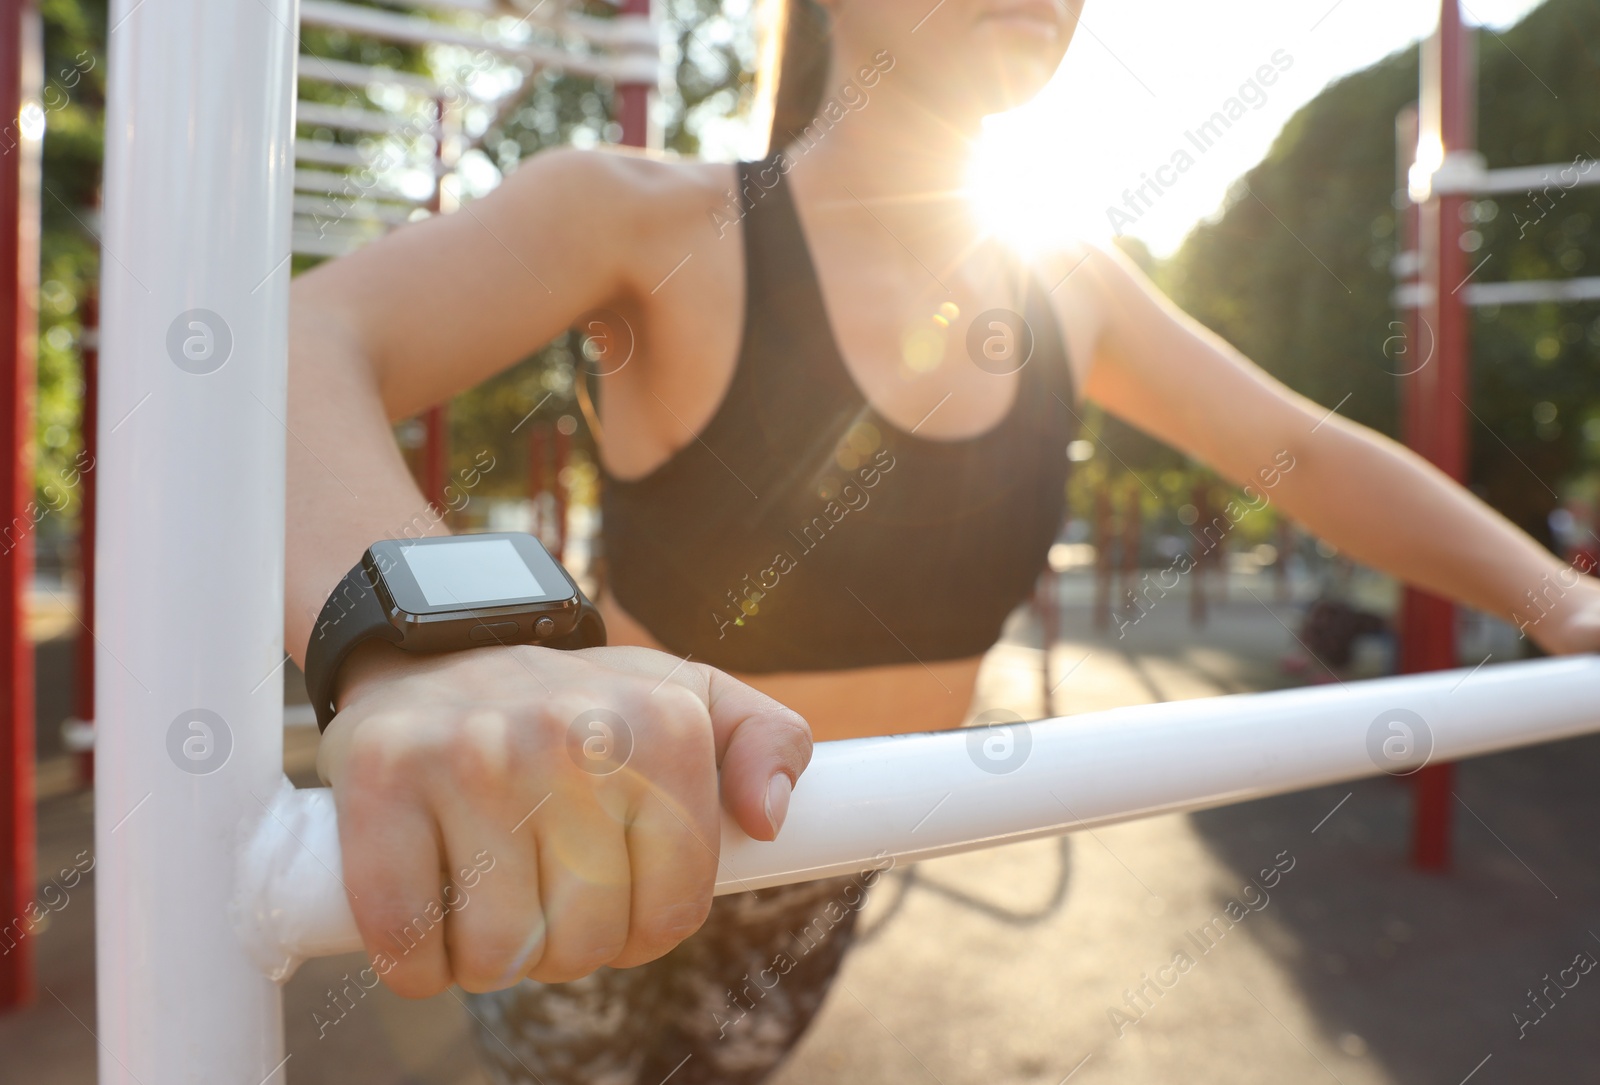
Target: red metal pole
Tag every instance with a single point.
(83, 662)
(1046, 599)
(1439, 393)
(536, 473)
(1201, 500)
(20, 64)
(436, 454)
(1280, 568)
(1102, 552)
(563, 444)
(633, 99)
(1132, 524)
(436, 420)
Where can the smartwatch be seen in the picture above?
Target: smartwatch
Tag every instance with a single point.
(447, 593)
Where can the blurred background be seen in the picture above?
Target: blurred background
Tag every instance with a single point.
(1289, 233)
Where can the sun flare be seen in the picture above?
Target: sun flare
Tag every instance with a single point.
(1024, 187)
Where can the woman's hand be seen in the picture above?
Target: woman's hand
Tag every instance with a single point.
(1566, 619)
(520, 811)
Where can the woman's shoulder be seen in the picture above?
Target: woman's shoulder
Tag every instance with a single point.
(1091, 288)
(647, 194)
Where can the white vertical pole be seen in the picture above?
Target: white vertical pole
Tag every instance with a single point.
(194, 348)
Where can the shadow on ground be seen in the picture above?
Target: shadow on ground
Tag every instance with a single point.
(1428, 970)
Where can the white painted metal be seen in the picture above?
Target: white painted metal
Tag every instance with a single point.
(1528, 291)
(324, 209)
(1561, 175)
(866, 801)
(189, 706)
(636, 60)
(348, 74)
(350, 186)
(327, 153)
(351, 120)
(1514, 292)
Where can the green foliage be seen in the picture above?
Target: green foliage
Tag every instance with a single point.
(712, 58)
(73, 99)
(1295, 270)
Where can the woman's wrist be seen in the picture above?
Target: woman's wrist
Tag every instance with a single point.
(370, 663)
(1566, 619)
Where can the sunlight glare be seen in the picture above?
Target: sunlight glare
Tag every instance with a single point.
(1021, 185)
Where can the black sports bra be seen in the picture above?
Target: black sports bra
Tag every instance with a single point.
(801, 531)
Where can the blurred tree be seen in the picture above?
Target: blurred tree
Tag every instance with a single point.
(710, 48)
(1295, 269)
(73, 100)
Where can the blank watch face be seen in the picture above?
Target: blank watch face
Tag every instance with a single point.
(470, 572)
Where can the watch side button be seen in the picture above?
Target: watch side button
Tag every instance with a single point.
(544, 627)
(502, 632)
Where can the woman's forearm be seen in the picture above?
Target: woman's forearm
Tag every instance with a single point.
(347, 483)
(1388, 508)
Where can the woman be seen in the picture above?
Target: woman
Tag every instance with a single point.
(834, 463)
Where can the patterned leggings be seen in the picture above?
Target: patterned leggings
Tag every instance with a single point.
(725, 1006)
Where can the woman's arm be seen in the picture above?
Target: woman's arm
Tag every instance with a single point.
(446, 766)
(1159, 369)
(415, 317)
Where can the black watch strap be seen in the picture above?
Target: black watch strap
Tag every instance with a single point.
(354, 613)
(351, 615)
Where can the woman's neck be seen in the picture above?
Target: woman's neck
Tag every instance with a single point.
(893, 159)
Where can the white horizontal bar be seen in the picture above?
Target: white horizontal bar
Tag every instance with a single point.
(619, 31)
(913, 797)
(324, 153)
(305, 244)
(357, 231)
(481, 7)
(348, 74)
(1527, 291)
(1514, 292)
(388, 26)
(623, 32)
(344, 184)
(357, 120)
(325, 209)
(1530, 178)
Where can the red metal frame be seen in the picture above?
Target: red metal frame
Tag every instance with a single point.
(1200, 498)
(1129, 532)
(633, 99)
(1435, 397)
(436, 453)
(20, 62)
(1102, 558)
